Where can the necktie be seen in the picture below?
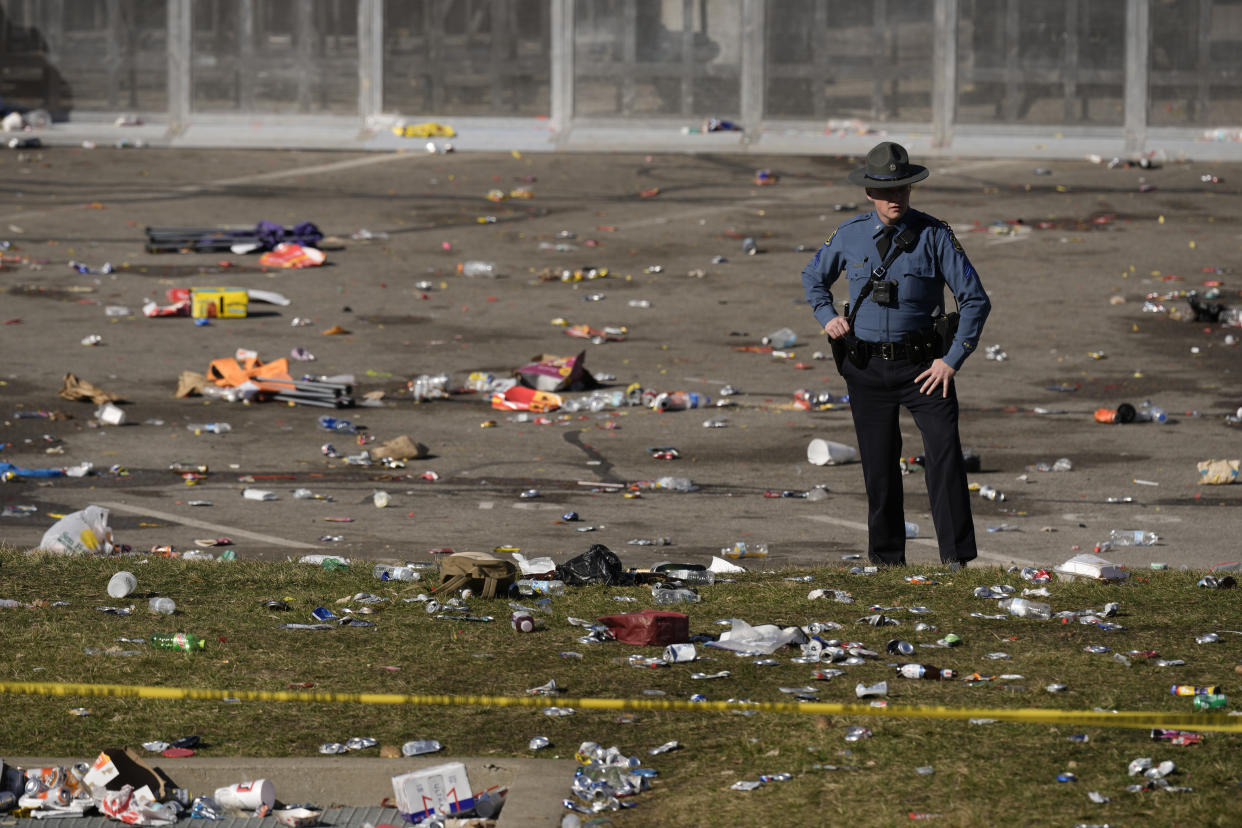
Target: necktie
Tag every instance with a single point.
(885, 241)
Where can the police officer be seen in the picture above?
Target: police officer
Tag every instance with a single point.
(892, 358)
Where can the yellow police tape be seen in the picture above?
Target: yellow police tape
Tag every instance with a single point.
(1082, 718)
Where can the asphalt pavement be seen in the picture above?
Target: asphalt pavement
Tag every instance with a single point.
(1068, 255)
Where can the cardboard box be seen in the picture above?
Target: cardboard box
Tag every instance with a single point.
(218, 302)
(115, 768)
(442, 787)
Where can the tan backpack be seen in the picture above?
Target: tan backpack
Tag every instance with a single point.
(487, 575)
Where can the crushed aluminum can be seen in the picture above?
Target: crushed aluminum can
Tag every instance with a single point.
(721, 674)
(745, 785)
(1207, 638)
(333, 747)
(360, 743)
(775, 777)
(1056, 688)
(539, 743)
(827, 675)
(665, 748)
(898, 647)
(556, 712)
(857, 733)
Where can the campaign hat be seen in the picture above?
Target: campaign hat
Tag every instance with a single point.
(888, 166)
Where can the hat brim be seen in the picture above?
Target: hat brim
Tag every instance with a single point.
(859, 178)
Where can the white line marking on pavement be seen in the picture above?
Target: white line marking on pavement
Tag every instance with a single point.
(202, 524)
(486, 504)
(314, 169)
(862, 527)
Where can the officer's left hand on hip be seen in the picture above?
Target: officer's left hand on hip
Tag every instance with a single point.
(938, 375)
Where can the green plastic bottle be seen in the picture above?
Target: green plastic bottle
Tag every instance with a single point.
(177, 641)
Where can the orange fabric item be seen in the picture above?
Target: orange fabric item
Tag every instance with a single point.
(1106, 415)
(230, 373)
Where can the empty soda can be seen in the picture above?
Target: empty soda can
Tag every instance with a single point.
(1207, 638)
(899, 647)
(539, 743)
(678, 653)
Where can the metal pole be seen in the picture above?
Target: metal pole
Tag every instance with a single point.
(944, 72)
(562, 55)
(180, 52)
(370, 59)
(1138, 38)
(754, 66)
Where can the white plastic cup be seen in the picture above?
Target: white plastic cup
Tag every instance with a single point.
(122, 584)
(248, 796)
(381, 499)
(827, 453)
(679, 653)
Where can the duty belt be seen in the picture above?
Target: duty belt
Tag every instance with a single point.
(888, 350)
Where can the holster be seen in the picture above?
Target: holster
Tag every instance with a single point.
(943, 330)
(851, 347)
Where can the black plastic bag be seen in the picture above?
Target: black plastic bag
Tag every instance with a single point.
(598, 565)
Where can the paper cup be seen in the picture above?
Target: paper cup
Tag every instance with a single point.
(828, 453)
(248, 796)
(122, 584)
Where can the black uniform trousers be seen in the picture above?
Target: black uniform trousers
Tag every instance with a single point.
(877, 394)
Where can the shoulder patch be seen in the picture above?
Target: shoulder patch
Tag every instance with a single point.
(953, 240)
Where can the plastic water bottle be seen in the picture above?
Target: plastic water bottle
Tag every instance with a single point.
(333, 424)
(1132, 537)
(924, 671)
(1152, 413)
(692, 576)
(1024, 608)
(393, 572)
(912, 530)
(176, 641)
(209, 428)
(477, 268)
(534, 586)
(784, 338)
(674, 596)
(163, 606)
(680, 400)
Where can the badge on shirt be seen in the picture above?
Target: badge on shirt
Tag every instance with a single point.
(830, 238)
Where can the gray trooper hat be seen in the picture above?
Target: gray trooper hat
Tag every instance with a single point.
(888, 166)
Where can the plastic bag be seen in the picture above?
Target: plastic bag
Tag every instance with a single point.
(80, 533)
(765, 638)
(598, 565)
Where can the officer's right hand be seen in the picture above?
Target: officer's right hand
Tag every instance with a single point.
(837, 327)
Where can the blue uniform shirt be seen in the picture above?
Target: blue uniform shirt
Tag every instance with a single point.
(921, 274)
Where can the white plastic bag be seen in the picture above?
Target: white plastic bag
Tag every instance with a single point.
(80, 533)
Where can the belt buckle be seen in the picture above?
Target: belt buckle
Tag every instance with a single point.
(887, 351)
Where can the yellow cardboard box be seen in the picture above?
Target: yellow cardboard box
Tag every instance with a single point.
(218, 302)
